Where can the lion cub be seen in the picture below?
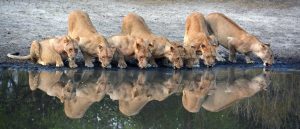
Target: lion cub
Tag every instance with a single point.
(52, 51)
(91, 43)
(131, 47)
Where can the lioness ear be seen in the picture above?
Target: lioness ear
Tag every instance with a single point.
(77, 38)
(202, 46)
(150, 45)
(113, 49)
(100, 47)
(66, 39)
(138, 46)
(139, 40)
(172, 48)
(179, 46)
(198, 52)
(214, 40)
(267, 44)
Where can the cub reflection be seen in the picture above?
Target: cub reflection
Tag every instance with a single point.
(196, 89)
(234, 89)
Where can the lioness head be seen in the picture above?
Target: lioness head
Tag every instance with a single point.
(70, 47)
(142, 52)
(105, 52)
(173, 54)
(264, 52)
(105, 55)
(191, 57)
(188, 54)
(206, 45)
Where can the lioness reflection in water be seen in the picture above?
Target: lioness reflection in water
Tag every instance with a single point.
(141, 88)
(78, 90)
(234, 89)
(196, 89)
(76, 96)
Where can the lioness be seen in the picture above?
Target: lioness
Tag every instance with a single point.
(92, 44)
(160, 47)
(236, 39)
(131, 47)
(196, 35)
(52, 51)
(189, 55)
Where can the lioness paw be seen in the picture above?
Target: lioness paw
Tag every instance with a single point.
(153, 64)
(59, 64)
(42, 62)
(73, 65)
(232, 60)
(90, 65)
(249, 61)
(122, 65)
(220, 58)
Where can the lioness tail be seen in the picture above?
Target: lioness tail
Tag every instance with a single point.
(14, 56)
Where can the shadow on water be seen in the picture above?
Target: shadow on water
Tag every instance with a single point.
(220, 98)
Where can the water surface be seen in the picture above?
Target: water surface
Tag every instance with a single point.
(228, 98)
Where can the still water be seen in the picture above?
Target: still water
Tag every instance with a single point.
(222, 98)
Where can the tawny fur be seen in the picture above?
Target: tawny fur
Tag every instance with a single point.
(196, 35)
(92, 44)
(236, 39)
(160, 47)
(132, 48)
(52, 51)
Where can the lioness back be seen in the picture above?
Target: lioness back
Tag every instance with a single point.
(135, 25)
(223, 27)
(79, 23)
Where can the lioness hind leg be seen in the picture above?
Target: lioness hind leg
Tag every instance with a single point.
(35, 51)
(88, 60)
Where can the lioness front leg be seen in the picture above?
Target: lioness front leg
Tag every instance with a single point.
(59, 61)
(152, 62)
(121, 59)
(219, 57)
(35, 51)
(88, 60)
(232, 54)
(248, 59)
(72, 64)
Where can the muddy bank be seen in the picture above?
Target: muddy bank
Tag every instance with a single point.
(274, 22)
